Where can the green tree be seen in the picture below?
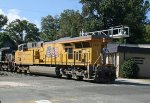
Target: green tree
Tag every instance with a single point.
(70, 23)
(129, 69)
(22, 31)
(3, 21)
(32, 33)
(119, 12)
(50, 27)
(147, 35)
(4, 38)
(92, 24)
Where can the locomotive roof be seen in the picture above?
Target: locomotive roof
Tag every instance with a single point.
(78, 39)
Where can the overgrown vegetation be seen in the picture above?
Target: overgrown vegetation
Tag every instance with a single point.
(96, 15)
(109, 13)
(6, 39)
(129, 69)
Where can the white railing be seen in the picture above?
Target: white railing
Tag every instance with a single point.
(114, 32)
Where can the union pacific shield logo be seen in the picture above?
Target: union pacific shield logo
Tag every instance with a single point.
(51, 52)
(48, 51)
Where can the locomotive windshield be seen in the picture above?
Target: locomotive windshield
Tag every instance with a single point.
(22, 47)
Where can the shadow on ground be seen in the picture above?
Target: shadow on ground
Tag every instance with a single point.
(117, 82)
(125, 82)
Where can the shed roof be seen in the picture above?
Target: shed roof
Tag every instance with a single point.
(139, 48)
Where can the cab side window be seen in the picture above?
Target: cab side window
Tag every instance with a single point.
(69, 52)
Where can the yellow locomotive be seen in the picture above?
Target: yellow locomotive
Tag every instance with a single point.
(80, 57)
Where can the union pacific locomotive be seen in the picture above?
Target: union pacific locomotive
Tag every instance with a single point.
(80, 57)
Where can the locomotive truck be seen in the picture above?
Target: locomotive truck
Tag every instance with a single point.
(82, 57)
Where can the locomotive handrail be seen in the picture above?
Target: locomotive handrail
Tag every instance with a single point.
(113, 32)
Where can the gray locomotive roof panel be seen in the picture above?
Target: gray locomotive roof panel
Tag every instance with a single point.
(66, 39)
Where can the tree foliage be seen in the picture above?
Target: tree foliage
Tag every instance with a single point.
(4, 38)
(22, 31)
(96, 15)
(70, 23)
(129, 69)
(3, 21)
(108, 13)
(147, 34)
(50, 27)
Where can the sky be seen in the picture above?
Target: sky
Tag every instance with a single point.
(34, 10)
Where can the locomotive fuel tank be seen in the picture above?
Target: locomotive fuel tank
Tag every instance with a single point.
(43, 70)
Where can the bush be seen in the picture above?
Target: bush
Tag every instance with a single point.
(129, 69)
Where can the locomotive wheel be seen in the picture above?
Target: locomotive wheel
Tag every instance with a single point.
(7, 68)
(19, 70)
(58, 74)
(113, 77)
(25, 72)
(15, 69)
(68, 76)
(80, 78)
